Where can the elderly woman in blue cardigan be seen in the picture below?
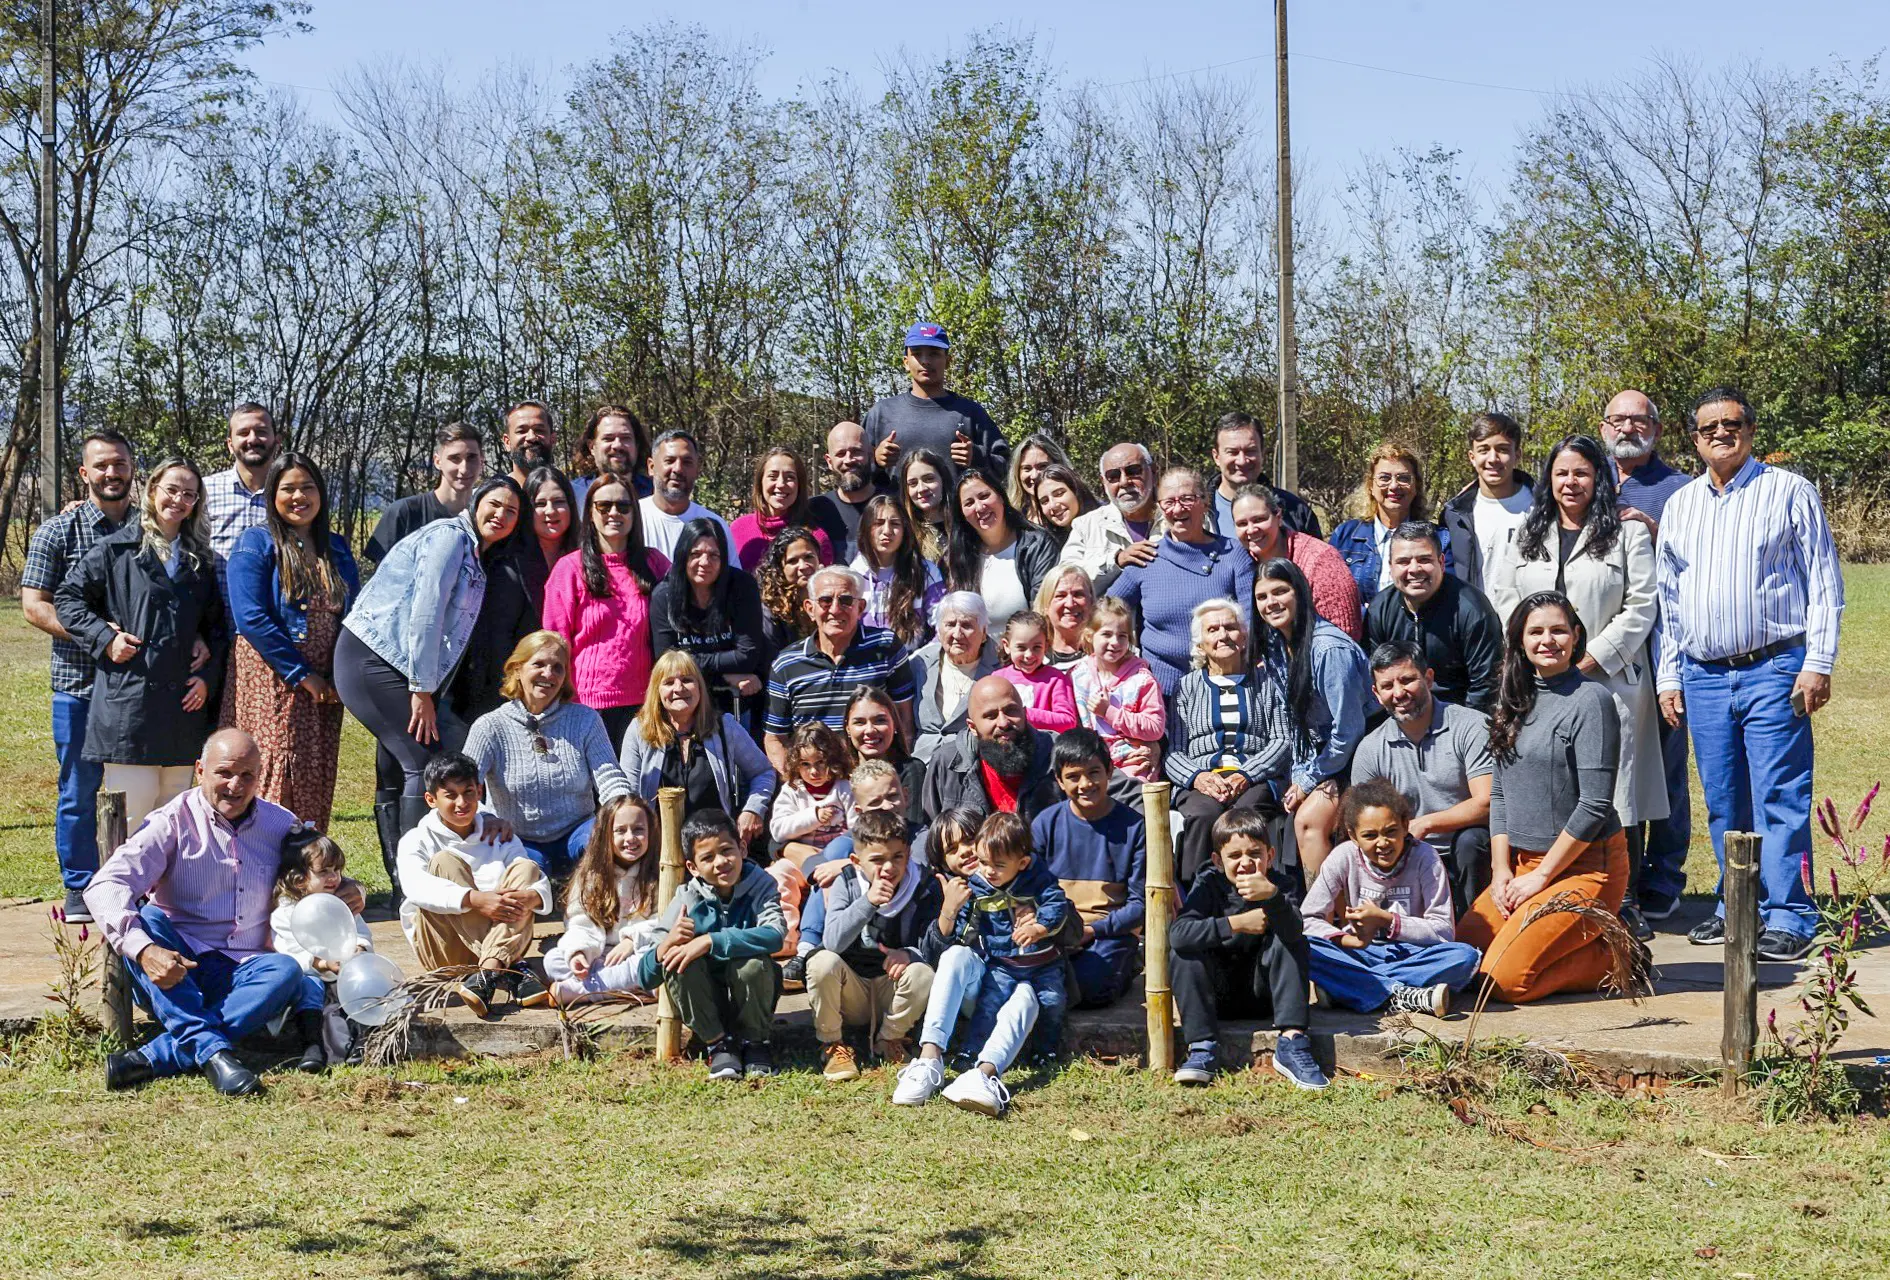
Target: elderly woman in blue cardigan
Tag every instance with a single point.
(1189, 566)
(679, 739)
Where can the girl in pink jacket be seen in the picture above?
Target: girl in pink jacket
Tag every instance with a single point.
(1117, 694)
(1048, 697)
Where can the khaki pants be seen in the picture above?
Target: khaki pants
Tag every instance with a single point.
(147, 787)
(842, 998)
(469, 938)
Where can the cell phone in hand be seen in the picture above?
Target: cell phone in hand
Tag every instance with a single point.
(1798, 701)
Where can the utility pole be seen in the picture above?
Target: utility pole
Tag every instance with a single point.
(48, 266)
(1286, 445)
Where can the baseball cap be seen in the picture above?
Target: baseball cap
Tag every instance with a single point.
(927, 334)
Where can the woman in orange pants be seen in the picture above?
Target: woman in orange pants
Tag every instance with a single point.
(1556, 738)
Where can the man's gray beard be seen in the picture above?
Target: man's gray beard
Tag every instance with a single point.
(1011, 759)
(1127, 508)
(1627, 450)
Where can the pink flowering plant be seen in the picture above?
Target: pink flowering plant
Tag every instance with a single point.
(70, 1035)
(1802, 1076)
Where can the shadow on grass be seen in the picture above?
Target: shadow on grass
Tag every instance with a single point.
(760, 1246)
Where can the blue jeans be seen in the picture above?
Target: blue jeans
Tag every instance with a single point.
(218, 1003)
(1101, 971)
(1362, 979)
(75, 825)
(1046, 982)
(814, 910)
(558, 855)
(1755, 768)
(1664, 864)
(956, 980)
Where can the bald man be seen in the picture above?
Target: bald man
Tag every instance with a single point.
(998, 762)
(837, 512)
(205, 864)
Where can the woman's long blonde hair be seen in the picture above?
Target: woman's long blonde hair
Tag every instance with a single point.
(1362, 506)
(652, 721)
(192, 535)
(512, 689)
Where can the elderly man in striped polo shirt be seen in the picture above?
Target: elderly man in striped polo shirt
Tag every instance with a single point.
(1751, 595)
(814, 678)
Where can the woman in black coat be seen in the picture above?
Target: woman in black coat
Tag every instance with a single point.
(144, 602)
(710, 608)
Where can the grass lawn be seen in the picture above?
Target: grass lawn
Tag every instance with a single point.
(619, 1168)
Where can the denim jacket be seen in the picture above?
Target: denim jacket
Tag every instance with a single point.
(275, 625)
(1342, 690)
(1357, 541)
(417, 611)
(985, 922)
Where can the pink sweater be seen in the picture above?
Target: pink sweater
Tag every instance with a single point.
(1134, 715)
(609, 639)
(1334, 592)
(754, 531)
(1049, 700)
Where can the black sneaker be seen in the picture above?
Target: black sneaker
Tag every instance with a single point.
(757, 1061)
(76, 911)
(1658, 906)
(478, 991)
(1783, 945)
(794, 975)
(1636, 922)
(1710, 932)
(725, 1063)
(526, 987)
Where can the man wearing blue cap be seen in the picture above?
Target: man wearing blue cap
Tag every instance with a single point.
(930, 417)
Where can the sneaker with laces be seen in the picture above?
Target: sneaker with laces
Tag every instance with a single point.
(526, 987)
(76, 912)
(837, 1062)
(919, 1082)
(1780, 945)
(1201, 1064)
(1433, 1000)
(976, 1091)
(894, 1053)
(1631, 916)
(757, 1061)
(1293, 1058)
(724, 1062)
(794, 975)
(1710, 932)
(478, 991)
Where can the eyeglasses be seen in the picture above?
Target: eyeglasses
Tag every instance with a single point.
(613, 506)
(833, 602)
(1619, 420)
(1726, 427)
(186, 496)
(540, 743)
(1114, 474)
(1179, 500)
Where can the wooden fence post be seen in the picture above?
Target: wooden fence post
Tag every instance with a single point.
(669, 807)
(114, 977)
(1740, 1025)
(1159, 905)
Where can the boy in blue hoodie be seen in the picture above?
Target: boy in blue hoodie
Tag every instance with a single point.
(722, 927)
(1098, 851)
(1014, 915)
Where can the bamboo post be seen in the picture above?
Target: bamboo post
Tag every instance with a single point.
(669, 808)
(1159, 898)
(1740, 1020)
(115, 978)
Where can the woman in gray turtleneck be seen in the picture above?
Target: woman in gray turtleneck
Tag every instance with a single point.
(1553, 829)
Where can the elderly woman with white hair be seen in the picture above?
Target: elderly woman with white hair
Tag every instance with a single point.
(945, 669)
(1229, 737)
(814, 678)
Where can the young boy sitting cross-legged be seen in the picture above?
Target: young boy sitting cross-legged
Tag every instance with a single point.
(720, 930)
(876, 787)
(868, 971)
(1237, 948)
(1098, 851)
(464, 899)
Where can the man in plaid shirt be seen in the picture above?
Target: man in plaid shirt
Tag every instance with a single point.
(105, 469)
(233, 500)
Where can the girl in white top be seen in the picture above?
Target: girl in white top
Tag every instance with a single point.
(815, 803)
(311, 863)
(609, 910)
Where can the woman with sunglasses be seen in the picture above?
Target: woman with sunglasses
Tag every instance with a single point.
(545, 759)
(599, 601)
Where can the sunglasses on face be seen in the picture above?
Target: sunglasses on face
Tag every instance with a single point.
(613, 506)
(832, 602)
(1730, 427)
(1115, 474)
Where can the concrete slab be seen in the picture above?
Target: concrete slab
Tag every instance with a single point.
(1673, 1034)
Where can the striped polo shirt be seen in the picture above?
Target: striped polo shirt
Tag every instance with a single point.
(805, 684)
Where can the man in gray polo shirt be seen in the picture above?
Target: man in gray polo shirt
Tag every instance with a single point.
(1438, 755)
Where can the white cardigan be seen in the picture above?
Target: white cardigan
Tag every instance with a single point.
(1615, 599)
(582, 934)
(283, 939)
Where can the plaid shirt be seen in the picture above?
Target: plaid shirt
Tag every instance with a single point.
(229, 509)
(57, 546)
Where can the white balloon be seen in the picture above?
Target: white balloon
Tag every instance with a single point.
(324, 927)
(366, 989)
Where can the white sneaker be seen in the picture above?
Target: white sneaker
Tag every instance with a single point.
(975, 1091)
(919, 1082)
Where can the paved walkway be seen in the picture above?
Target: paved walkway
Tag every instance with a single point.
(1675, 1033)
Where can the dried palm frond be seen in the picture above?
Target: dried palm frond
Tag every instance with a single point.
(388, 1043)
(1631, 964)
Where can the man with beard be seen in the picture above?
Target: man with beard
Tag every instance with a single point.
(1437, 754)
(1630, 427)
(1446, 617)
(105, 469)
(929, 416)
(999, 763)
(528, 438)
(1125, 530)
(233, 500)
(675, 462)
(459, 455)
(837, 512)
(1237, 455)
(614, 442)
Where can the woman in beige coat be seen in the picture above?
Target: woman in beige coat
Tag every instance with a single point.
(1574, 541)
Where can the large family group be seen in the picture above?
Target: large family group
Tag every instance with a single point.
(912, 716)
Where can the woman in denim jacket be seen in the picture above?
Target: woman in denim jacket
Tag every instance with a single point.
(409, 629)
(1391, 493)
(291, 580)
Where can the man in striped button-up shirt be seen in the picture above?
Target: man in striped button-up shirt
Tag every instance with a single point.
(1751, 594)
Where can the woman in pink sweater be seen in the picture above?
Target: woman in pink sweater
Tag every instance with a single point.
(777, 499)
(1257, 527)
(1049, 698)
(598, 599)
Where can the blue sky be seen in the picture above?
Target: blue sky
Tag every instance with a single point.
(1339, 111)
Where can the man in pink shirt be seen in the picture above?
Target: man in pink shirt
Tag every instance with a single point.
(199, 948)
